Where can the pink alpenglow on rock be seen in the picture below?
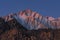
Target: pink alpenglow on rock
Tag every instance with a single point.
(33, 21)
(51, 18)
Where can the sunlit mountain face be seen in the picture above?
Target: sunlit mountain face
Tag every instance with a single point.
(29, 25)
(33, 21)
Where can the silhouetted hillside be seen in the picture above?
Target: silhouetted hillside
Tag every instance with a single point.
(12, 30)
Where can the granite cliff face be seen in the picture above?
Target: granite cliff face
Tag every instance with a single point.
(36, 21)
(29, 25)
(33, 21)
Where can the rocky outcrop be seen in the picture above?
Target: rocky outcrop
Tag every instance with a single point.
(34, 21)
(29, 25)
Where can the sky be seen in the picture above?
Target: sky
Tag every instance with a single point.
(43, 7)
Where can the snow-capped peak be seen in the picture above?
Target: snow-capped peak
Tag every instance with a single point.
(34, 21)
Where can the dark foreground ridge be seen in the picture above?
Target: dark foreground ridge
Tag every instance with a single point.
(12, 30)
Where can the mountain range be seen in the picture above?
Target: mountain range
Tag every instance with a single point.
(29, 25)
(32, 20)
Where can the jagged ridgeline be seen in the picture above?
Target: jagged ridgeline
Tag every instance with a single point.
(11, 27)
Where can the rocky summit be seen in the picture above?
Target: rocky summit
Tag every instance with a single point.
(29, 25)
